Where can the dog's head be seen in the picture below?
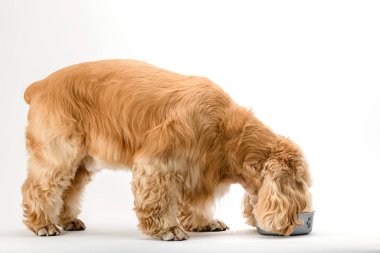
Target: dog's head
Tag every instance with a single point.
(282, 193)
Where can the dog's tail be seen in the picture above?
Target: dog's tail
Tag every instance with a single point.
(31, 90)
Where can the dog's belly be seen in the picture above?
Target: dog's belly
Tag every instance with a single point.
(94, 164)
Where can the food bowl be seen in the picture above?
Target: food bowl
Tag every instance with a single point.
(307, 221)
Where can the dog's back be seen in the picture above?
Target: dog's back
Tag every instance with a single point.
(117, 105)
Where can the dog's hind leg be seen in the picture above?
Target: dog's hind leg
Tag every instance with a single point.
(42, 194)
(199, 219)
(68, 218)
(156, 189)
(54, 157)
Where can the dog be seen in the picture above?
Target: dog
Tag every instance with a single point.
(184, 139)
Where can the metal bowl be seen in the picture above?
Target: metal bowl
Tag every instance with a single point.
(307, 220)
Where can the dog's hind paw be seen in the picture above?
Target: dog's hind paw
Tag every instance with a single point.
(174, 234)
(74, 225)
(212, 226)
(49, 230)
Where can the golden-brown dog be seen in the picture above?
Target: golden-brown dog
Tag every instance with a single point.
(183, 137)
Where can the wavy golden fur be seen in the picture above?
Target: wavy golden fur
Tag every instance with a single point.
(183, 137)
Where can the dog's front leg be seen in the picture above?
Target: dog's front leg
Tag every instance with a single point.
(248, 206)
(156, 188)
(199, 219)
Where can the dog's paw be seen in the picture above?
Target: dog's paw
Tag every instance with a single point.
(74, 225)
(212, 226)
(174, 234)
(49, 230)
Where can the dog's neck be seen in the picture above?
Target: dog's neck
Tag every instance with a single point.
(251, 146)
(248, 145)
(248, 140)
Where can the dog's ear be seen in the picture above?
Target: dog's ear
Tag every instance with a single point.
(281, 198)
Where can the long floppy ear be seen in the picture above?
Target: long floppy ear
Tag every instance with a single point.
(281, 198)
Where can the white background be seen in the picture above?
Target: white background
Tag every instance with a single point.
(309, 69)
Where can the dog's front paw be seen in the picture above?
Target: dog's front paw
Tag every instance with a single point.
(74, 225)
(212, 226)
(49, 230)
(174, 234)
